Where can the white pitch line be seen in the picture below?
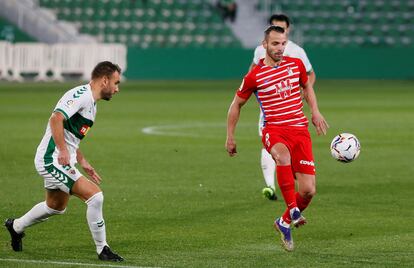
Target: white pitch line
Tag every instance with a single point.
(166, 130)
(71, 263)
(163, 131)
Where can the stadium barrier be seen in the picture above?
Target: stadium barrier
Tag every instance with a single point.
(56, 62)
(30, 58)
(74, 59)
(5, 60)
(225, 63)
(79, 59)
(221, 63)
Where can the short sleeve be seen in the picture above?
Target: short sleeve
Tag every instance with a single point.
(247, 87)
(295, 51)
(259, 53)
(303, 76)
(305, 60)
(73, 101)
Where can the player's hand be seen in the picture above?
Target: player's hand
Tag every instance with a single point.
(93, 175)
(320, 123)
(64, 157)
(231, 147)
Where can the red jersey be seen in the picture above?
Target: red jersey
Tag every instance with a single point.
(277, 90)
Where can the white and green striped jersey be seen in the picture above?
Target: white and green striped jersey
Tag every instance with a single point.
(79, 109)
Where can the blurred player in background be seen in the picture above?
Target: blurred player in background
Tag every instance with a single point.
(276, 81)
(57, 154)
(292, 50)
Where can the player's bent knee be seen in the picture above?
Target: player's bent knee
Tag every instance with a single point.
(281, 160)
(85, 189)
(95, 200)
(52, 211)
(309, 194)
(280, 154)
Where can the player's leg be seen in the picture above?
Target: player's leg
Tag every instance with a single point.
(268, 167)
(275, 141)
(92, 195)
(306, 190)
(285, 178)
(286, 182)
(304, 168)
(55, 204)
(57, 199)
(57, 185)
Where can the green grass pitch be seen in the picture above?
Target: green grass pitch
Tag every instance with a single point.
(175, 199)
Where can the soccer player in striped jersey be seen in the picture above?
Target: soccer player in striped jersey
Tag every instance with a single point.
(57, 154)
(276, 83)
(292, 50)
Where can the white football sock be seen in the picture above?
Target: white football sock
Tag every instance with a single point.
(268, 168)
(38, 213)
(95, 220)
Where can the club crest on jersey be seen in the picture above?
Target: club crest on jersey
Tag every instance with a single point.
(84, 130)
(283, 88)
(289, 70)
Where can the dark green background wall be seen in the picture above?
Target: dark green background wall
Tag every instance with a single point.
(377, 63)
(220, 63)
(187, 63)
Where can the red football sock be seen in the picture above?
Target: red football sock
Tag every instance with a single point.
(302, 205)
(286, 216)
(286, 183)
(302, 202)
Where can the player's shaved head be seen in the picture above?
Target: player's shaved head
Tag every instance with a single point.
(105, 68)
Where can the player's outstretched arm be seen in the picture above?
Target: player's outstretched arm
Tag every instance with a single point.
(317, 118)
(232, 119)
(312, 77)
(87, 167)
(56, 127)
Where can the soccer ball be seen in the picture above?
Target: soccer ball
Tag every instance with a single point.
(345, 147)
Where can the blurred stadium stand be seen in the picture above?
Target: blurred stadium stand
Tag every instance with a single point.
(152, 23)
(141, 34)
(62, 52)
(348, 23)
(55, 62)
(11, 33)
(40, 23)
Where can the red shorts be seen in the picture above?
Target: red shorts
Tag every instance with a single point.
(299, 143)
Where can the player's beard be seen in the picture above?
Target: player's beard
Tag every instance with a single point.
(106, 95)
(276, 57)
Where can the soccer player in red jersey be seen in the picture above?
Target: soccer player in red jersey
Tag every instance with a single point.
(276, 83)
